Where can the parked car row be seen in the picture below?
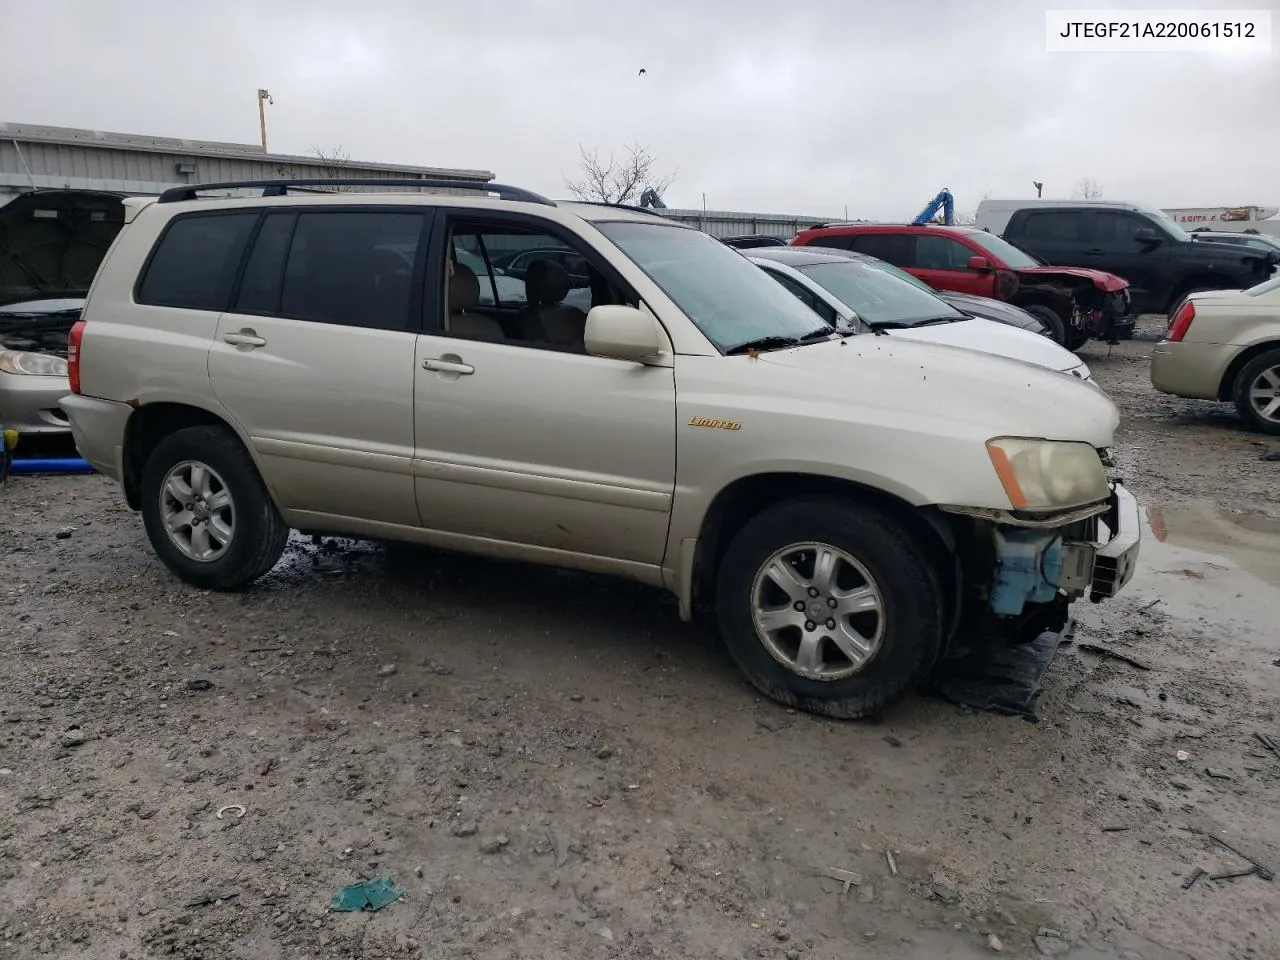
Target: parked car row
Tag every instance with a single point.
(361, 365)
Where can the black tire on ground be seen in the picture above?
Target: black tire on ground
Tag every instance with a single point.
(259, 533)
(908, 582)
(1249, 376)
(1075, 339)
(1050, 319)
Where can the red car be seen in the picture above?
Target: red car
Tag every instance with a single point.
(1075, 303)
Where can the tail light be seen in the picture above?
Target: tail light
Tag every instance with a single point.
(1182, 321)
(73, 354)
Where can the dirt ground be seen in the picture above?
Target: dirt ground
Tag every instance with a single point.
(552, 765)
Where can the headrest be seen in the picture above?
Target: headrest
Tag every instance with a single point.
(464, 289)
(546, 283)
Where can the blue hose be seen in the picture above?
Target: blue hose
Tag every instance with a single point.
(50, 465)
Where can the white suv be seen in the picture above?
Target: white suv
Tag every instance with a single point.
(847, 504)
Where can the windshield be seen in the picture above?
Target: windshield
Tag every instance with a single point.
(878, 297)
(731, 300)
(1002, 249)
(1265, 287)
(1166, 223)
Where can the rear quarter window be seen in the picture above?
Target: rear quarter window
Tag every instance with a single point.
(194, 263)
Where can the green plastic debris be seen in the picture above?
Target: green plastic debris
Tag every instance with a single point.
(367, 895)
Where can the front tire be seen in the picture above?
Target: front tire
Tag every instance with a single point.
(830, 607)
(207, 512)
(1050, 319)
(1257, 392)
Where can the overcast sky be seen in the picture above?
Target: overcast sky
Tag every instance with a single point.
(804, 107)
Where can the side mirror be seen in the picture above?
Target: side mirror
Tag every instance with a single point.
(1147, 235)
(622, 333)
(980, 264)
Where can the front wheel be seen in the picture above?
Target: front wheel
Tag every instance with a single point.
(207, 512)
(830, 607)
(1050, 319)
(1257, 392)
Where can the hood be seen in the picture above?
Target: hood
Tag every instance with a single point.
(1106, 282)
(994, 338)
(52, 242)
(904, 416)
(990, 309)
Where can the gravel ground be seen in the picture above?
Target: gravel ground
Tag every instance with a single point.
(552, 765)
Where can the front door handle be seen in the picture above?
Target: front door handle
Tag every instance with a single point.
(1095, 252)
(245, 338)
(447, 366)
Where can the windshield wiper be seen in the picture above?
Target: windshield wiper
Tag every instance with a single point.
(778, 342)
(934, 321)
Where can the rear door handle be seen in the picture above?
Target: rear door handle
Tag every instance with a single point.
(447, 366)
(1095, 252)
(245, 338)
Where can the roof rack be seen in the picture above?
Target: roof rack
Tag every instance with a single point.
(280, 188)
(619, 206)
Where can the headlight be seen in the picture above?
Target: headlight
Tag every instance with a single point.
(1048, 474)
(32, 364)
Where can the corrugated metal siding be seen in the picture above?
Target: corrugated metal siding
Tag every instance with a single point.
(724, 223)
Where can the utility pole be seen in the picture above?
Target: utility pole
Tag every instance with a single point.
(263, 99)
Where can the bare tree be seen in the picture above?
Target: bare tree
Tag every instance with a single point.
(617, 180)
(1087, 188)
(337, 164)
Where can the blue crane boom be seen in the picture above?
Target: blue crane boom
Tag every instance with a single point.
(944, 202)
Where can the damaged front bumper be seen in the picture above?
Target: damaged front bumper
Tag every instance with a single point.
(1096, 555)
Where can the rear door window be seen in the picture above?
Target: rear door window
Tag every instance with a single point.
(895, 248)
(195, 261)
(1053, 225)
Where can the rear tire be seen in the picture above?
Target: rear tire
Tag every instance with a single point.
(207, 512)
(1050, 319)
(1075, 339)
(880, 594)
(1257, 392)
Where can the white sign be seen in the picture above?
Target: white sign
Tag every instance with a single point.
(1197, 216)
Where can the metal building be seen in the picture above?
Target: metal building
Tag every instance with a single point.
(39, 157)
(723, 223)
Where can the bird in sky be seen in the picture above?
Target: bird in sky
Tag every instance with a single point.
(643, 71)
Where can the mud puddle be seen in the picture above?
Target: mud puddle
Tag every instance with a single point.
(1249, 540)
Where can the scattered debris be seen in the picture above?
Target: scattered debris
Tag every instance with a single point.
(1183, 755)
(604, 753)
(216, 895)
(993, 943)
(236, 809)
(198, 684)
(771, 723)
(65, 533)
(1114, 655)
(1115, 828)
(1272, 456)
(366, 895)
(1155, 805)
(1270, 742)
(74, 738)
(386, 670)
(1153, 603)
(465, 828)
(1213, 774)
(893, 864)
(1234, 874)
(1192, 877)
(847, 877)
(494, 844)
(266, 766)
(943, 889)
(1050, 946)
(595, 801)
(1262, 871)
(893, 741)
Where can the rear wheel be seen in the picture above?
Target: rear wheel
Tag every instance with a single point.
(1075, 338)
(1257, 392)
(1050, 319)
(830, 607)
(207, 512)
